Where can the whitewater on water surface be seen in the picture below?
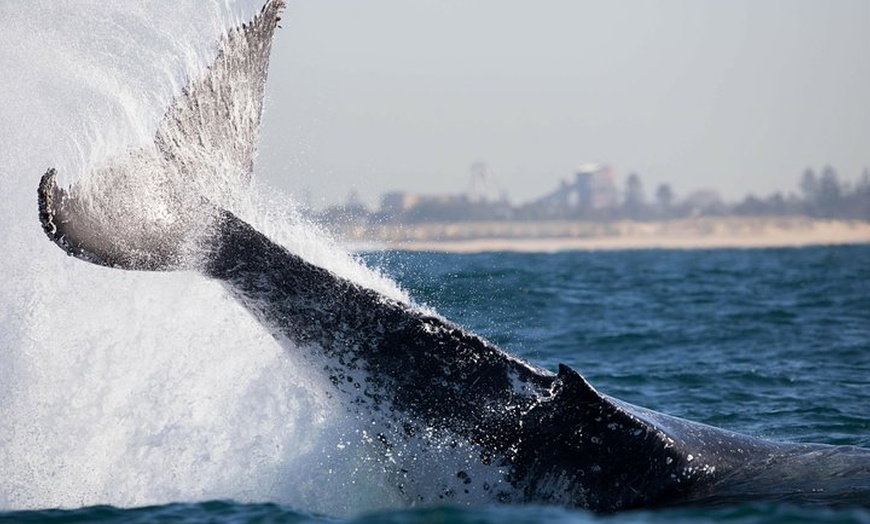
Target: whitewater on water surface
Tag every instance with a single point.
(134, 389)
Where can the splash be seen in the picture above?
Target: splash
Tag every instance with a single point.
(128, 388)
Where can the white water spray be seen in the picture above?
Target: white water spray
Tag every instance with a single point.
(143, 388)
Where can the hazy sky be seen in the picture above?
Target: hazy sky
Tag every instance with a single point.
(738, 95)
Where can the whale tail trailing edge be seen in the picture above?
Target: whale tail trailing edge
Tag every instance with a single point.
(67, 222)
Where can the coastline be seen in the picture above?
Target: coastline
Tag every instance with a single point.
(554, 236)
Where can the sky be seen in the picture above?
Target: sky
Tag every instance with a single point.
(739, 96)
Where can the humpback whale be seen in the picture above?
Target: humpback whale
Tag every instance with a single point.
(420, 382)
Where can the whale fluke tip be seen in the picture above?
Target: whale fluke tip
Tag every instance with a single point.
(46, 196)
(52, 203)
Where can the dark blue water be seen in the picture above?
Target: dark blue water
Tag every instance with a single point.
(770, 342)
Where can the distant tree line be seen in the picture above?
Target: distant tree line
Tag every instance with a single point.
(825, 196)
(821, 196)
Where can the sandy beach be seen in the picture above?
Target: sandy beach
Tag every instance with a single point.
(690, 233)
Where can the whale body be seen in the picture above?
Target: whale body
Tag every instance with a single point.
(548, 437)
(422, 384)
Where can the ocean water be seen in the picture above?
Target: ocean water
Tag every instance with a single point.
(143, 397)
(769, 342)
(755, 340)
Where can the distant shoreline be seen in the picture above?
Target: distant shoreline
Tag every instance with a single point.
(554, 236)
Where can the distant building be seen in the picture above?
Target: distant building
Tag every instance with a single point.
(401, 206)
(591, 194)
(396, 203)
(596, 187)
(477, 204)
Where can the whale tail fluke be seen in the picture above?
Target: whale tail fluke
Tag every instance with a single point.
(69, 221)
(148, 208)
